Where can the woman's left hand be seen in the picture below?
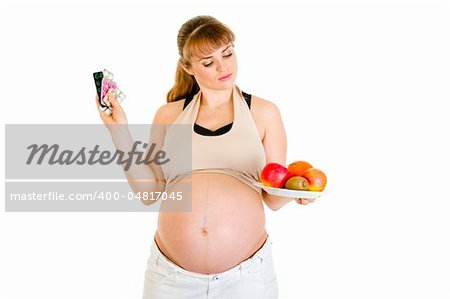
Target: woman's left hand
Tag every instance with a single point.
(304, 201)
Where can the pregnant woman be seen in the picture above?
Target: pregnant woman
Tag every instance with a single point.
(220, 247)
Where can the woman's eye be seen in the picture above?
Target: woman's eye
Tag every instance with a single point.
(209, 64)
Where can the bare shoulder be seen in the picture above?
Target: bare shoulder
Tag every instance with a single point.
(168, 113)
(263, 109)
(266, 115)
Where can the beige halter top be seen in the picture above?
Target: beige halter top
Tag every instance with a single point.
(238, 152)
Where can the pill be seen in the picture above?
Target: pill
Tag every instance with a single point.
(108, 75)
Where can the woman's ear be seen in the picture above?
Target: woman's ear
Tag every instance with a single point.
(186, 68)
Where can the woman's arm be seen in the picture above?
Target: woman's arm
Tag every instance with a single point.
(141, 177)
(275, 145)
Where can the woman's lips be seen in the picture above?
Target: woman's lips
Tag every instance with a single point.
(225, 77)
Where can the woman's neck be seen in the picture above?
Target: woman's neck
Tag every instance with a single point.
(212, 99)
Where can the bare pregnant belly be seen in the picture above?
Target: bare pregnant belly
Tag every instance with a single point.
(225, 227)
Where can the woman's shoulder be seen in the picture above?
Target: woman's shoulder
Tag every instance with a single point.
(263, 108)
(169, 112)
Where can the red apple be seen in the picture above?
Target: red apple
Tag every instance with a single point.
(274, 175)
(316, 178)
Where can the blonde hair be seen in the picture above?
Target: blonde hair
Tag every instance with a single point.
(200, 35)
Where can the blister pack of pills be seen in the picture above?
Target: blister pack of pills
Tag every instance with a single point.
(104, 83)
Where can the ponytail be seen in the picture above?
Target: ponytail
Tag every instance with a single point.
(185, 84)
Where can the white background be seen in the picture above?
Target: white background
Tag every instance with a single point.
(361, 86)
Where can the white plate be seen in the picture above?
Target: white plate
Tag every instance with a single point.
(289, 192)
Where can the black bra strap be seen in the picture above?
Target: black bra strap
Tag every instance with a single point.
(248, 99)
(189, 98)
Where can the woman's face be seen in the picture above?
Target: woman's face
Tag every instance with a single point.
(216, 70)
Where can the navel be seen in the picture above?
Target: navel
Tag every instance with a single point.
(204, 231)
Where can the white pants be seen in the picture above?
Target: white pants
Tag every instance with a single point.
(254, 278)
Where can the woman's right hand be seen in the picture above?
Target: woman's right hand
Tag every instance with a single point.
(117, 116)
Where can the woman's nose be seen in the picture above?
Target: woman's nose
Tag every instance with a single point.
(219, 65)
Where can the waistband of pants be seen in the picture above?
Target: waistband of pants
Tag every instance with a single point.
(243, 269)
